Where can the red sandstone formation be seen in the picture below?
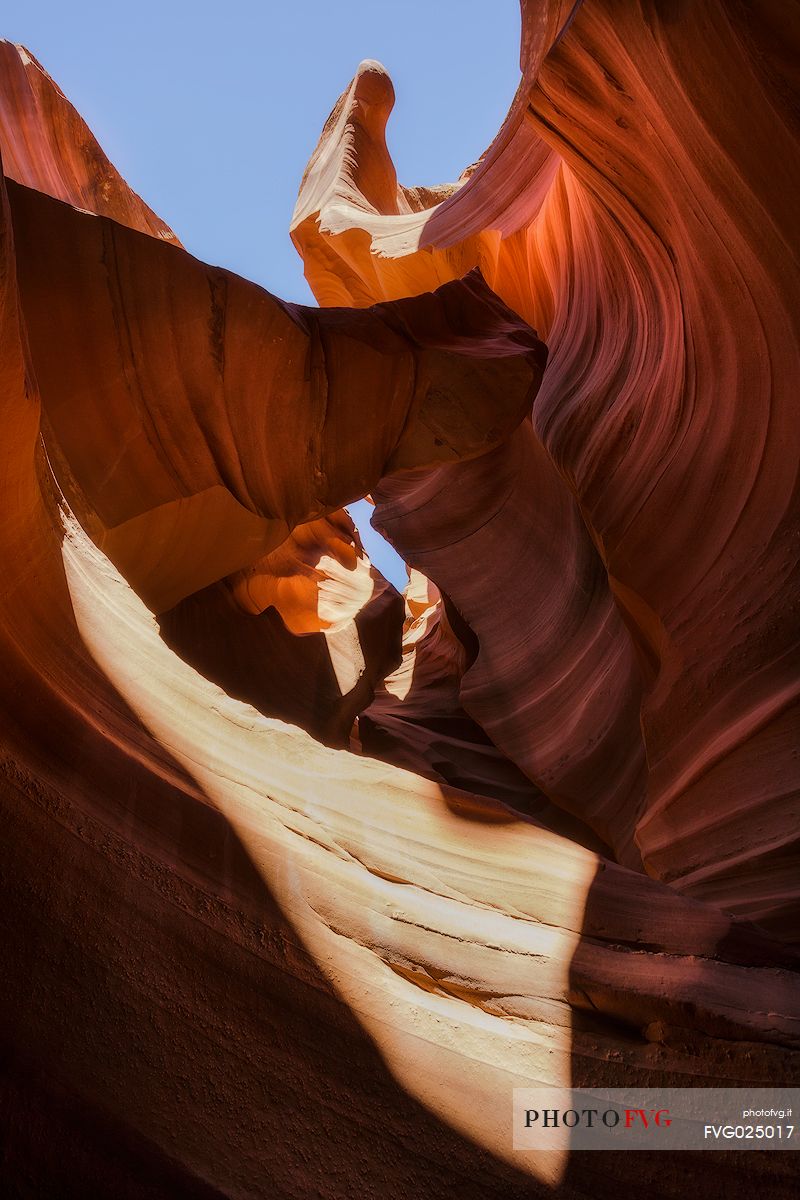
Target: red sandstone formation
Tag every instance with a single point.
(46, 145)
(241, 962)
(638, 208)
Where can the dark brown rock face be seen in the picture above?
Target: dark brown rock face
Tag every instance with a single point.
(301, 877)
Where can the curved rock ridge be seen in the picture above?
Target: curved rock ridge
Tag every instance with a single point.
(304, 634)
(415, 719)
(147, 340)
(47, 145)
(213, 923)
(636, 208)
(554, 681)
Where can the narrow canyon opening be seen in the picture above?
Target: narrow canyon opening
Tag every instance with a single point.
(289, 849)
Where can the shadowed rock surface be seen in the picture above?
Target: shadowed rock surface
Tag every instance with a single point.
(243, 956)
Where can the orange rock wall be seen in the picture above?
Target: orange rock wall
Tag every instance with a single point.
(637, 207)
(241, 962)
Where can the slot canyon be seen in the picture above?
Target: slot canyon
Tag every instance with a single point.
(302, 875)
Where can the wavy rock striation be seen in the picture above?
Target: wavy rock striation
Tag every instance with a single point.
(241, 962)
(636, 208)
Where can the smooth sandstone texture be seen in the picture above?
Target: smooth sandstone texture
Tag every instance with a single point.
(242, 963)
(48, 146)
(133, 340)
(638, 208)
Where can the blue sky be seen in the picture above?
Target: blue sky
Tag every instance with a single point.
(211, 110)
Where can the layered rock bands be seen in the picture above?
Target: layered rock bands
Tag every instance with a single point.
(302, 877)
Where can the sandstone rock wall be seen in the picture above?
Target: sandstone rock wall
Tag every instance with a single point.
(242, 962)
